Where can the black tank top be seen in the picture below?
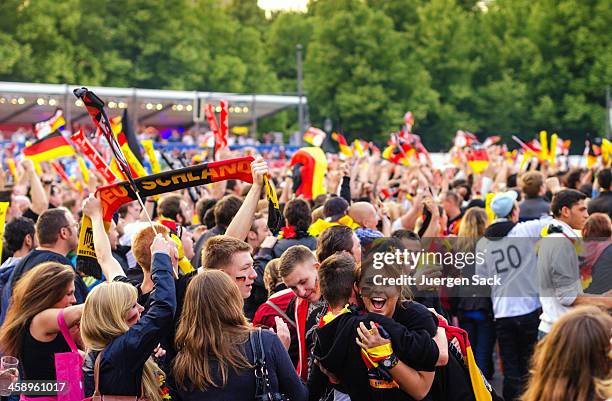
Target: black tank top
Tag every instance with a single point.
(38, 358)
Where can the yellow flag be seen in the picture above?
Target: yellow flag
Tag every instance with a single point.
(553, 149)
(12, 169)
(83, 169)
(544, 146)
(3, 208)
(150, 151)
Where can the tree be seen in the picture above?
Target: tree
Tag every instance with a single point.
(351, 68)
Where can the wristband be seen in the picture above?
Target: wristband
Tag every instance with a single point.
(389, 362)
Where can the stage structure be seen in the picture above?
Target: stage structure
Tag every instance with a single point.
(28, 103)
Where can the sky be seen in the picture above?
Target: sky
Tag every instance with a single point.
(276, 5)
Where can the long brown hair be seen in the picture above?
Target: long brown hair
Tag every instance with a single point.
(37, 290)
(572, 362)
(212, 326)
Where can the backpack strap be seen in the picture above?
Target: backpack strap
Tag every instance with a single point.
(280, 312)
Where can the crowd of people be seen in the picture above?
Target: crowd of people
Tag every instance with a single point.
(208, 302)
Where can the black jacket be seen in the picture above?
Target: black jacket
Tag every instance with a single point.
(337, 351)
(452, 381)
(123, 359)
(284, 243)
(602, 204)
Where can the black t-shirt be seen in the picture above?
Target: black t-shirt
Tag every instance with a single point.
(336, 350)
(452, 381)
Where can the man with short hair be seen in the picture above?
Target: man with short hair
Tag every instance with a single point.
(558, 265)
(508, 254)
(366, 215)
(233, 257)
(451, 203)
(19, 240)
(57, 234)
(258, 232)
(534, 205)
(174, 209)
(603, 202)
(298, 268)
(225, 210)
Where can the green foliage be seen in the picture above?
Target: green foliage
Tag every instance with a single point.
(516, 67)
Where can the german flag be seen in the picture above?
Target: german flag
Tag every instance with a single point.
(345, 149)
(309, 165)
(51, 147)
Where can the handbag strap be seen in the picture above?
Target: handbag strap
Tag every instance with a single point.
(61, 322)
(280, 312)
(259, 384)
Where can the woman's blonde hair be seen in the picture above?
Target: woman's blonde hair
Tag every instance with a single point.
(473, 226)
(272, 277)
(573, 361)
(212, 327)
(105, 318)
(37, 290)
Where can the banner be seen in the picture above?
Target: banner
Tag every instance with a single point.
(93, 156)
(114, 195)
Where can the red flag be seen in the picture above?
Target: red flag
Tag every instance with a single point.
(88, 150)
(221, 139)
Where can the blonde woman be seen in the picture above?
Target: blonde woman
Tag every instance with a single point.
(573, 361)
(31, 331)
(122, 341)
(279, 298)
(215, 359)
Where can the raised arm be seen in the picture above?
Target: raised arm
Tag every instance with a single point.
(241, 223)
(40, 201)
(143, 337)
(110, 267)
(44, 325)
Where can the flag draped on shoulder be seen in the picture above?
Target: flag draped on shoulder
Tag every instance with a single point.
(51, 147)
(309, 167)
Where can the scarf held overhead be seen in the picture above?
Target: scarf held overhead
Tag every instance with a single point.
(114, 195)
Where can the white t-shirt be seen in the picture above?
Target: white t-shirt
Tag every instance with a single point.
(513, 260)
